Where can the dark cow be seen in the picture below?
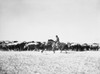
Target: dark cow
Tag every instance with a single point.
(11, 46)
(41, 46)
(16, 46)
(36, 46)
(94, 46)
(73, 46)
(29, 46)
(62, 46)
(3, 46)
(85, 46)
(21, 45)
(49, 45)
(76, 47)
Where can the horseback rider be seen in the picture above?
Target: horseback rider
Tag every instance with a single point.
(57, 41)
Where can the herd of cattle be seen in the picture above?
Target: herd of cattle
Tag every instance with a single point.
(50, 45)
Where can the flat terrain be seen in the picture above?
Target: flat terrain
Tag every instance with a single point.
(30, 62)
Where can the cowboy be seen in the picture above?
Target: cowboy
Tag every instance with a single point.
(57, 39)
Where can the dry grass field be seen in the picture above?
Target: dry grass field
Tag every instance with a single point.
(30, 62)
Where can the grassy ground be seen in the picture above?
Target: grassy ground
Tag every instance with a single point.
(30, 62)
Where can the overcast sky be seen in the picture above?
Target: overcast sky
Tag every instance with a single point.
(40, 20)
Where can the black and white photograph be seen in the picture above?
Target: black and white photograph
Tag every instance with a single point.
(49, 36)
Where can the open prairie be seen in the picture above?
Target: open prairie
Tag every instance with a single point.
(31, 62)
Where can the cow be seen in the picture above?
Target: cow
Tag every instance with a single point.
(30, 46)
(15, 46)
(62, 46)
(85, 46)
(11, 46)
(3, 46)
(76, 47)
(94, 46)
(48, 46)
(41, 46)
(21, 45)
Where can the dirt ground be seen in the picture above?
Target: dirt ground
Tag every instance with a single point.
(31, 62)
